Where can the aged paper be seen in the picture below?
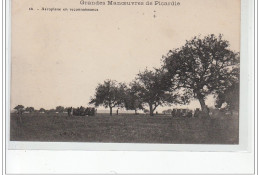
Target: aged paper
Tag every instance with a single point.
(61, 51)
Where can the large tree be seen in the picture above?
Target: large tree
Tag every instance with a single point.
(152, 88)
(110, 94)
(202, 66)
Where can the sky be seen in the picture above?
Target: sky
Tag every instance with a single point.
(58, 58)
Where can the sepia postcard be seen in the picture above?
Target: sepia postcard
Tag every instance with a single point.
(125, 71)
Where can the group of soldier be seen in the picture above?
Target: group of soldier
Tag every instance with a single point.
(81, 111)
(186, 113)
(181, 113)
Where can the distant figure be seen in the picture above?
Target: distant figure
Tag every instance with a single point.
(81, 111)
(197, 112)
(208, 111)
(88, 111)
(117, 112)
(184, 112)
(189, 114)
(76, 111)
(174, 113)
(156, 113)
(92, 112)
(178, 113)
(70, 111)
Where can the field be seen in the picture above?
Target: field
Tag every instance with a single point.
(126, 128)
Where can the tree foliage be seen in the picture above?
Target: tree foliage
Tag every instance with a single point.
(60, 109)
(51, 111)
(132, 101)
(29, 109)
(42, 110)
(202, 66)
(19, 108)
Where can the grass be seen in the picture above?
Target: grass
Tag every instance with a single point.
(126, 128)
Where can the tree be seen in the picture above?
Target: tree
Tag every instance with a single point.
(51, 111)
(59, 109)
(152, 88)
(201, 67)
(42, 110)
(132, 101)
(19, 108)
(29, 109)
(109, 94)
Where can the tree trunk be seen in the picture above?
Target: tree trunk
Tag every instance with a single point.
(111, 111)
(151, 109)
(20, 119)
(204, 107)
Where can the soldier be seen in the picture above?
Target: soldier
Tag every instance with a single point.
(76, 112)
(178, 113)
(208, 109)
(82, 111)
(184, 112)
(173, 112)
(70, 111)
(189, 115)
(93, 111)
(197, 112)
(88, 111)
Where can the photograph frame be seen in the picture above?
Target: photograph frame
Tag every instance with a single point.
(112, 153)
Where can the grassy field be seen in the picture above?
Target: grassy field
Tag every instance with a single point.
(126, 128)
